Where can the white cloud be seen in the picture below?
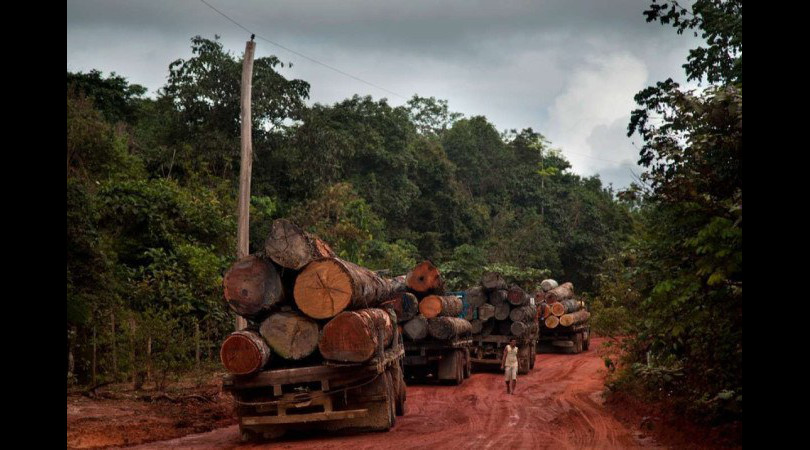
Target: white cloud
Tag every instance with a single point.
(595, 107)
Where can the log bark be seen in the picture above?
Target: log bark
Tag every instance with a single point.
(416, 328)
(502, 311)
(291, 247)
(525, 314)
(547, 285)
(539, 296)
(425, 279)
(252, 287)
(476, 296)
(446, 328)
(486, 311)
(435, 306)
(328, 286)
(552, 321)
(492, 280)
(545, 310)
(517, 296)
(560, 293)
(476, 325)
(404, 304)
(566, 307)
(398, 284)
(356, 336)
(290, 335)
(498, 297)
(574, 318)
(244, 352)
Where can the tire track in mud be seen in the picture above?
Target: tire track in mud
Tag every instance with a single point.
(557, 405)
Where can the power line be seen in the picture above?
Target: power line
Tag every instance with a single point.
(301, 54)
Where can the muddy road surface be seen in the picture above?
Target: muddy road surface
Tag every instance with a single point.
(557, 405)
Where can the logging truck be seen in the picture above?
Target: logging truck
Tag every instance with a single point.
(328, 396)
(445, 360)
(572, 339)
(487, 351)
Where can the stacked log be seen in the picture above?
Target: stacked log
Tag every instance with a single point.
(446, 315)
(447, 328)
(445, 305)
(502, 305)
(304, 305)
(560, 307)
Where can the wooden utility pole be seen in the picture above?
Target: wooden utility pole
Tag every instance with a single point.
(246, 166)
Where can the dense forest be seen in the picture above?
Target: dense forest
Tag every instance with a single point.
(151, 205)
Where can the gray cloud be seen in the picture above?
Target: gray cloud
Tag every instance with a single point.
(519, 63)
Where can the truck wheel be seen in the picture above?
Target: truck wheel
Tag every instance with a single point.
(381, 414)
(246, 435)
(532, 356)
(467, 364)
(459, 370)
(587, 343)
(523, 361)
(578, 343)
(399, 384)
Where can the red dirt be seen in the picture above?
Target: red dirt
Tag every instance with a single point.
(558, 405)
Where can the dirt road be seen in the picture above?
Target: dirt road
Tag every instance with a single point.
(559, 405)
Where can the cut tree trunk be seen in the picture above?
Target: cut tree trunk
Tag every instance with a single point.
(445, 328)
(566, 307)
(486, 311)
(492, 280)
(291, 247)
(574, 318)
(476, 325)
(356, 336)
(498, 296)
(435, 306)
(545, 310)
(404, 304)
(552, 321)
(476, 296)
(328, 286)
(502, 311)
(547, 285)
(524, 314)
(539, 296)
(398, 284)
(560, 293)
(425, 279)
(517, 296)
(416, 328)
(519, 329)
(290, 335)
(252, 286)
(244, 352)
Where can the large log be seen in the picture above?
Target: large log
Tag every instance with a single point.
(547, 285)
(404, 304)
(560, 293)
(492, 280)
(398, 284)
(445, 305)
(545, 310)
(502, 311)
(498, 296)
(486, 311)
(574, 318)
(291, 247)
(517, 296)
(328, 286)
(525, 314)
(476, 325)
(539, 296)
(446, 328)
(252, 286)
(290, 335)
(244, 352)
(425, 279)
(476, 296)
(565, 307)
(552, 321)
(416, 328)
(356, 336)
(519, 329)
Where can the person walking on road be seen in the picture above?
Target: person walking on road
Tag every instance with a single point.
(510, 363)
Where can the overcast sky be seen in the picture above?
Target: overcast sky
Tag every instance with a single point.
(566, 68)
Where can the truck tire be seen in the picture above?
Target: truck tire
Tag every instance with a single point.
(532, 356)
(459, 369)
(399, 385)
(578, 343)
(381, 414)
(246, 435)
(587, 342)
(467, 364)
(523, 361)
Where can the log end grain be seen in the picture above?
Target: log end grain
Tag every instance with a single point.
(356, 336)
(251, 286)
(323, 289)
(424, 278)
(290, 335)
(244, 352)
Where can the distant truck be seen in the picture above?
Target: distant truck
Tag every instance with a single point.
(364, 397)
(487, 351)
(443, 360)
(574, 339)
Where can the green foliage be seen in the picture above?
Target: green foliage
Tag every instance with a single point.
(464, 269)
(680, 279)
